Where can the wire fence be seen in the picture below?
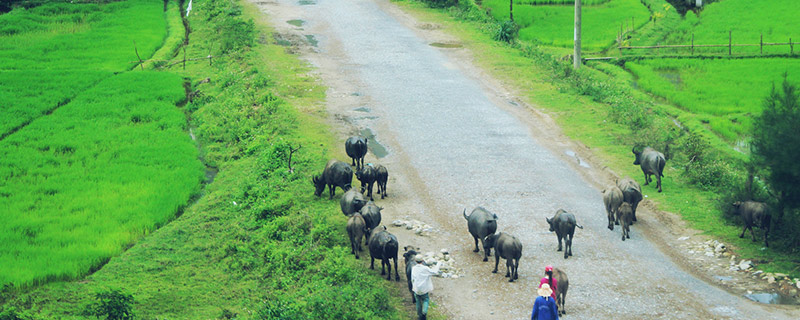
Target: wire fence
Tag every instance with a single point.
(699, 49)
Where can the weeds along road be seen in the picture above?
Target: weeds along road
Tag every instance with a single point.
(457, 139)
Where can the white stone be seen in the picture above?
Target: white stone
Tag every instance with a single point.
(771, 280)
(444, 251)
(745, 264)
(797, 284)
(397, 223)
(683, 238)
(709, 254)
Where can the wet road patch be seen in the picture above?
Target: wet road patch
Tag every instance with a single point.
(770, 298)
(377, 149)
(446, 45)
(296, 22)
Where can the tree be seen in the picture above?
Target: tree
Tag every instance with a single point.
(776, 145)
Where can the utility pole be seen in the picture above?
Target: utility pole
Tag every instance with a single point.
(576, 59)
(511, 10)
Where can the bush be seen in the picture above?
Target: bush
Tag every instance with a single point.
(507, 31)
(112, 304)
(11, 313)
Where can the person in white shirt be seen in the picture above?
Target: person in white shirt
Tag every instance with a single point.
(422, 285)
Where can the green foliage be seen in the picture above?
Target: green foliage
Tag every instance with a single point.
(441, 3)
(112, 304)
(775, 141)
(507, 31)
(12, 313)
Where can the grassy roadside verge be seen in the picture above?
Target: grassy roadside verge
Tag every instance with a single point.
(585, 120)
(258, 244)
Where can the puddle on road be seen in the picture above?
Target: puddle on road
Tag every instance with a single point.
(377, 149)
(356, 94)
(312, 40)
(296, 22)
(307, 2)
(446, 45)
(770, 298)
(362, 109)
(580, 162)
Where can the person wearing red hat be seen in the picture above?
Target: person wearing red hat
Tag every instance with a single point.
(548, 279)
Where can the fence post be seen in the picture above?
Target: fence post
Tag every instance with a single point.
(730, 41)
(184, 58)
(762, 43)
(692, 43)
(791, 46)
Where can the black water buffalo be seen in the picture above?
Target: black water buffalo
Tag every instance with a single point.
(562, 285)
(507, 247)
(625, 216)
(652, 163)
(408, 256)
(612, 198)
(335, 174)
(356, 148)
(754, 214)
(356, 228)
(372, 216)
(367, 175)
(563, 223)
(481, 223)
(352, 201)
(631, 193)
(383, 176)
(383, 245)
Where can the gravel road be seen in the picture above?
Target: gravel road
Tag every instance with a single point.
(454, 138)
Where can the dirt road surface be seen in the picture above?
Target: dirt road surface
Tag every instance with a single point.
(454, 138)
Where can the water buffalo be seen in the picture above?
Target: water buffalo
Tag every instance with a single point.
(335, 174)
(367, 175)
(383, 245)
(372, 216)
(652, 163)
(383, 176)
(356, 228)
(352, 201)
(631, 193)
(563, 223)
(508, 247)
(754, 214)
(612, 198)
(625, 216)
(356, 148)
(481, 223)
(408, 256)
(561, 289)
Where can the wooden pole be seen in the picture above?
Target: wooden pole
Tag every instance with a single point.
(633, 26)
(762, 43)
(141, 64)
(511, 10)
(576, 59)
(692, 43)
(184, 58)
(791, 46)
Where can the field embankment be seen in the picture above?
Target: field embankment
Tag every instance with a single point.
(258, 244)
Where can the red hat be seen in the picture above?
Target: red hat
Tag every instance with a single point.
(548, 268)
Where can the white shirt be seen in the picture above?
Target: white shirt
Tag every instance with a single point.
(421, 278)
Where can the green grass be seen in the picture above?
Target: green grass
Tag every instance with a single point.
(28, 94)
(726, 93)
(89, 180)
(553, 24)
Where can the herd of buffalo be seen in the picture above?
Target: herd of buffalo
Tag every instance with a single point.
(364, 217)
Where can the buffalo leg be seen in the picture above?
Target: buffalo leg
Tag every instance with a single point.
(743, 230)
(496, 262)
(658, 179)
(753, 233)
(384, 261)
(372, 263)
(646, 178)
(476, 245)
(559, 243)
(516, 269)
(567, 246)
(510, 269)
(396, 275)
(331, 190)
(369, 189)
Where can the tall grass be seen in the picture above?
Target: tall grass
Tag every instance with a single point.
(554, 24)
(80, 185)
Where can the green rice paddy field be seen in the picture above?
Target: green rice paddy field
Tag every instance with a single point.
(92, 156)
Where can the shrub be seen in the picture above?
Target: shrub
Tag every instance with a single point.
(507, 31)
(112, 304)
